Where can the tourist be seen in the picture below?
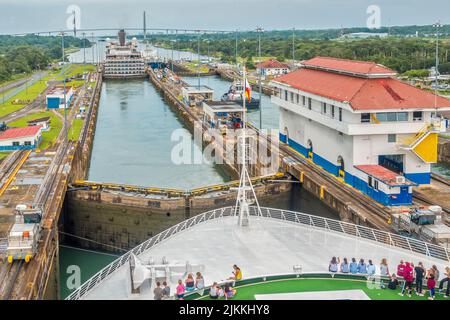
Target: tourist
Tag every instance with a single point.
(345, 266)
(431, 284)
(158, 291)
(384, 270)
(214, 292)
(400, 268)
(409, 278)
(190, 282)
(237, 273)
(199, 281)
(371, 268)
(220, 292)
(435, 273)
(229, 292)
(444, 280)
(393, 282)
(166, 291)
(333, 266)
(353, 266)
(419, 274)
(362, 268)
(180, 290)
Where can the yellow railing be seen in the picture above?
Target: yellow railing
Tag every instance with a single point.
(419, 135)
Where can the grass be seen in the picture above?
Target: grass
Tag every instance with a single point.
(247, 292)
(25, 95)
(3, 155)
(75, 129)
(192, 66)
(48, 137)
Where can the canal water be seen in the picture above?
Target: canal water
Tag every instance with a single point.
(269, 111)
(133, 145)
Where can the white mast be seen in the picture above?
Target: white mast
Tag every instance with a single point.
(242, 202)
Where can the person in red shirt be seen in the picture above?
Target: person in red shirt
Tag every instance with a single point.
(400, 269)
(431, 284)
(409, 278)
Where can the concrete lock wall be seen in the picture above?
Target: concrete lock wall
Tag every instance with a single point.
(113, 222)
(444, 151)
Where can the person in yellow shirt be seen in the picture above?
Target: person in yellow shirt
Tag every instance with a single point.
(237, 273)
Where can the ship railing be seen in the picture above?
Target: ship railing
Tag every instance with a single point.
(388, 239)
(414, 246)
(184, 225)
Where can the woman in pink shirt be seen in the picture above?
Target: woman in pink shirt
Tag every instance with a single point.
(409, 278)
(180, 290)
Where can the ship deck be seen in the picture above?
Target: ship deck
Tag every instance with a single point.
(267, 246)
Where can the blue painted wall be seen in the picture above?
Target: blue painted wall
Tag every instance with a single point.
(53, 103)
(404, 198)
(419, 178)
(21, 147)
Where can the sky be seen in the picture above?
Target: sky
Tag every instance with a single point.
(43, 15)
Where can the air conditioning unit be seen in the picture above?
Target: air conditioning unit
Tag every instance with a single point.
(400, 179)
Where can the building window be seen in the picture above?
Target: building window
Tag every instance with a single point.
(304, 100)
(375, 184)
(324, 108)
(340, 114)
(16, 143)
(417, 115)
(309, 103)
(298, 98)
(332, 111)
(292, 97)
(365, 117)
(285, 95)
(27, 143)
(370, 182)
(392, 116)
(392, 138)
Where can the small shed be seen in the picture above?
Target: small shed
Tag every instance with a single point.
(222, 114)
(43, 122)
(195, 95)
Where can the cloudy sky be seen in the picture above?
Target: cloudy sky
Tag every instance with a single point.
(41, 15)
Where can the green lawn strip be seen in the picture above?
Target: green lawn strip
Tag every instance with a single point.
(248, 292)
(3, 155)
(48, 137)
(24, 95)
(75, 129)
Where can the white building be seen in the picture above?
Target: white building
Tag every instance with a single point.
(55, 97)
(272, 68)
(346, 115)
(20, 138)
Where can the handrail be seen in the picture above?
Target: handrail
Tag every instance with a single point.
(316, 222)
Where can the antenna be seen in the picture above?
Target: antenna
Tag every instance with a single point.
(245, 183)
(145, 28)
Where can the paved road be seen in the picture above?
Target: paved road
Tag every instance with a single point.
(25, 83)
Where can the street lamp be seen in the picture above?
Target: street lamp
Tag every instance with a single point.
(437, 25)
(259, 30)
(65, 100)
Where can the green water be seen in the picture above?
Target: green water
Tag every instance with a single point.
(89, 263)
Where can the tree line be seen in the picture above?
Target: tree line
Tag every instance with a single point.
(25, 54)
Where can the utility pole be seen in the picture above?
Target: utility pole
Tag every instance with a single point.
(84, 54)
(437, 25)
(74, 24)
(259, 30)
(171, 64)
(65, 98)
(236, 48)
(293, 48)
(93, 49)
(198, 58)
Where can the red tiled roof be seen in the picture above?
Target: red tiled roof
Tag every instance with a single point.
(381, 173)
(362, 93)
(269, 64)
(19, 132)
(349, 66)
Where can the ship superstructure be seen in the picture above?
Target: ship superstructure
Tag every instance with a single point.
(123, 59)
